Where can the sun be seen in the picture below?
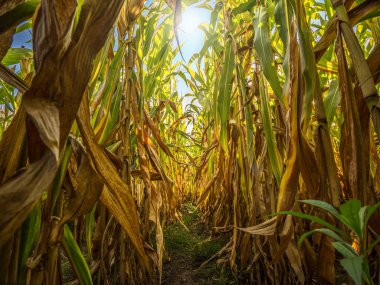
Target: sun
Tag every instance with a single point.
(190, 34)
(190, 22)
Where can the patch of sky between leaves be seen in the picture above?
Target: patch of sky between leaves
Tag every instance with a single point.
(22, 39)
(191, 39)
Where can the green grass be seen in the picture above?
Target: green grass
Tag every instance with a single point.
(195, 246)
(211, 273)
(178, 240)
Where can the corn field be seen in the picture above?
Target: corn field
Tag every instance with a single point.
(100, 148)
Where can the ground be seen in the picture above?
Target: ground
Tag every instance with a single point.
(189, 248)
(188, 245)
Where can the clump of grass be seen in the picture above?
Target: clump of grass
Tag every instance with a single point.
(212, 273)
(193, 244)
(177, 236)
(206, 249)
(178, 240)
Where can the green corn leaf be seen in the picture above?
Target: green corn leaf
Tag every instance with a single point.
(323, 205)
(264, 50)
(15, 55)
(362, 217)
(247, 109)
(274, 156)
(112, 114)
(327, 232)
(244, 7)
(309, 69)
(149, 31)
(76, 258)
(353, 267)
(350, 211)
(225, 90)
(25, 26)
(113, 74)
(60, 175)
(281, 14)
(315, 219)
(29, 235)
(344, 249)
(332, 101)
(214, 14)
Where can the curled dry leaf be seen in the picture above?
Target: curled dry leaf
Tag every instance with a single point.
(45, 117)
(8, 5)
(156, 133)
(20, 193)
(266, 228)
(89, 188)
(6, 42)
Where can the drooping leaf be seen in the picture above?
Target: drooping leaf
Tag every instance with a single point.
(20, 193)
(353, 267)
(332, 101)
(344, 249)
(244, 7)
(273, 152)
(350, 211)
(263, 47)
(76, 257)
(224, 92)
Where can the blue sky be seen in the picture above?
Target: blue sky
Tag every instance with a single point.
(22, 39)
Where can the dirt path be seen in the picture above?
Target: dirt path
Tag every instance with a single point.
(188, 249)
(180, 271)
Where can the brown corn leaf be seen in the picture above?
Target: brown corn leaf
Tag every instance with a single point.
(208, 188)
(153, 175)
(289, 181)
(20, 193)
(308, 167)
(171, 104)
(46, 119)
(12, 78)
(52, 30)
(293, 254)
(156, 133)
(154, 159)
(12, 146)
(266, 228)
(351, 148)
(89, 187)
(355, 15)
(6, 42)
(154, 216)
(7, 5)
